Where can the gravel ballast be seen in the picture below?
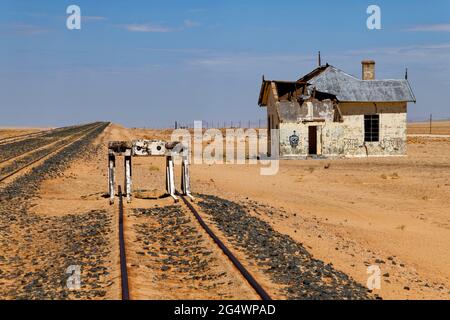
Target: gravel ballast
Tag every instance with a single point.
(284, 260)
(38, 251)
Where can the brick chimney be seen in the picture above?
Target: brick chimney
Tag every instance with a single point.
(368, 70)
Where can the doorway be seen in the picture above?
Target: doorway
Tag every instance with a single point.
(312, 138)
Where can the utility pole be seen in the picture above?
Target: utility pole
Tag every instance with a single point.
(431, 121)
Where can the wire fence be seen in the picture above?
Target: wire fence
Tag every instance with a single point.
(230, 124)
(427, 119)
(428, 125)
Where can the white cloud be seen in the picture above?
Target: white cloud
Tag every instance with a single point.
(392, 61)
(28, 29)
(196, 10)
(241, 61)
(191, 24)
(418, 51)
(192, 51)
(157, 28)
(147, 27)
(94, 18)
(443, 27)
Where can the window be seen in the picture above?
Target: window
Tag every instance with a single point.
(372, 128)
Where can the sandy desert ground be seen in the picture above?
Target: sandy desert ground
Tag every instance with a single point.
(6, 132)
(391, 212)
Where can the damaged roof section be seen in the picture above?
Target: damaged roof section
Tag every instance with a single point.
(328, 82)
(284, 90)
(294, 99)
(347, 88)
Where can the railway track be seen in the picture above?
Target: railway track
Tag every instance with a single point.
(244, 272)
(18, 155)
(59, 145)
(24, 136)
(36, 134)
(17, 148)
(125, 290)
(38, 248)
(123, 258)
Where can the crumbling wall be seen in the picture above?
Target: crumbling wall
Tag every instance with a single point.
(330, 142)
(346, 138)
(393, 129)
(293, 140)
(393, 135)
(292, 111)
(272, 106)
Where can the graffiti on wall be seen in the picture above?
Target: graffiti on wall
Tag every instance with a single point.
(351, 144)
(333, 146)
(391, 144)
(294, 140)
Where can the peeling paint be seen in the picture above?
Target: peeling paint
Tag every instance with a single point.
(346, 139)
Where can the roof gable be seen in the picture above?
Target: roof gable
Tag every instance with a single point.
(283, 89)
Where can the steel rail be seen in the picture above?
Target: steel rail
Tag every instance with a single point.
(123, 257)
(43, 146)
(24, 136)
(245, 273)
(35, 134)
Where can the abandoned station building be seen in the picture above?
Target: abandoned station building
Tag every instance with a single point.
(329, 113)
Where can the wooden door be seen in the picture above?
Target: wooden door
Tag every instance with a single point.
(312, 138)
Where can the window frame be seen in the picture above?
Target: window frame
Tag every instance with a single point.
(371, 128)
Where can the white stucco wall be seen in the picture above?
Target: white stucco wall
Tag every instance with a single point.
(346, 139)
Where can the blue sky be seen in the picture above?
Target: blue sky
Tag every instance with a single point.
(149, 63)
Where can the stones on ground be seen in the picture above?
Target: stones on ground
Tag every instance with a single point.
(285, 261)
(52, 243)
(16, 148)
(177, 252)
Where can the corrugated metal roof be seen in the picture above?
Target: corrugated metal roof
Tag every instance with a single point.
(347, 88)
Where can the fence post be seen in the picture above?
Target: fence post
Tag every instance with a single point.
(431, 121)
